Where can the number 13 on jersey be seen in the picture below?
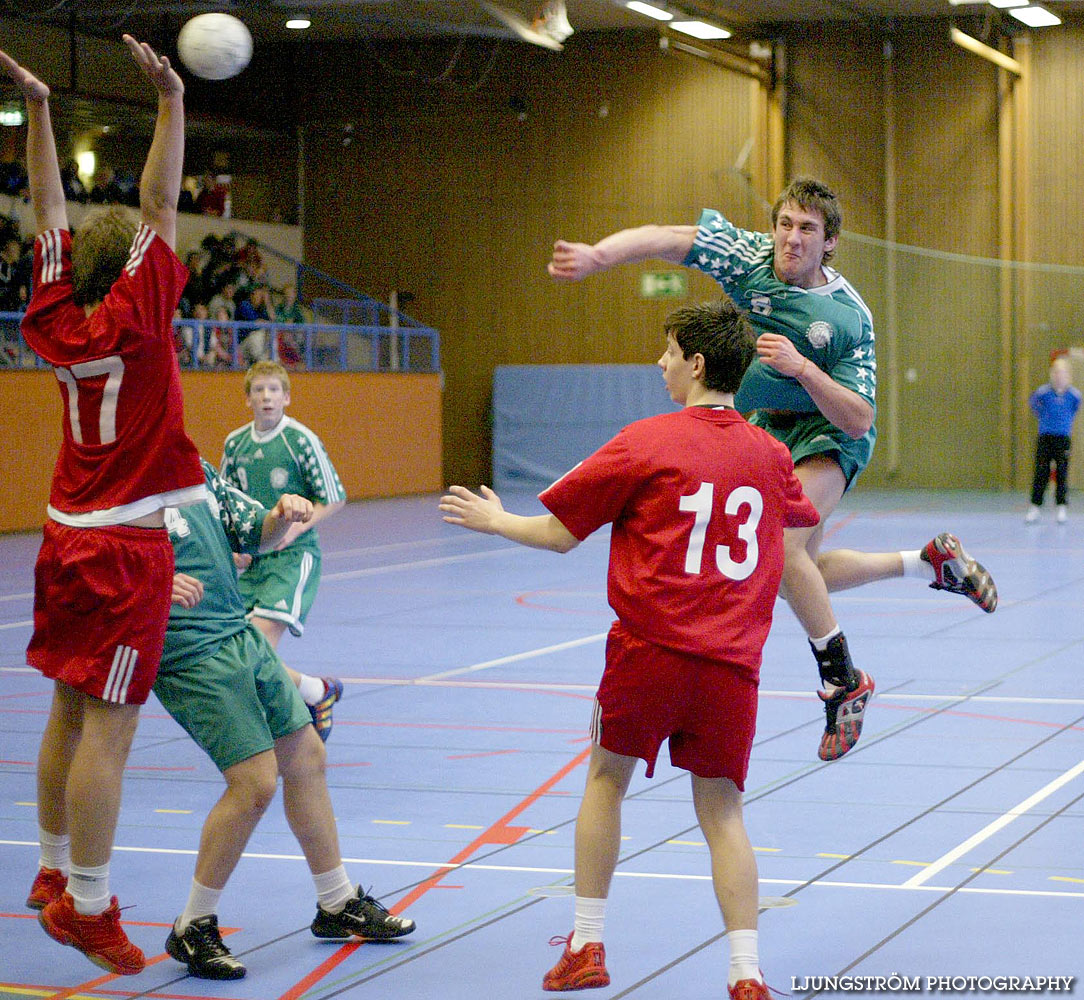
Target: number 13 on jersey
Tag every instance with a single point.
(700, 504)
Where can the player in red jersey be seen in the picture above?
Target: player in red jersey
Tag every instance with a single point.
(101, 314)
(698, 500)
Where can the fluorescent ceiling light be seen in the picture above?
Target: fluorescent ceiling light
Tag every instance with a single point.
(1035, 16)
(301, 23)
(1004, 4)
(649, 10)
(12, 116)
(700, 29)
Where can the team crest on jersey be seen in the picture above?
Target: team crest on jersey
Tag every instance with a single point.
(279, 478)
(760, 304)
(819, 333)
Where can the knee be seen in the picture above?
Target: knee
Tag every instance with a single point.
(253, 793)
(306, 760)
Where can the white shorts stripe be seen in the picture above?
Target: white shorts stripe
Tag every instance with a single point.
(120, 675)
(307, 563)
(596, 723)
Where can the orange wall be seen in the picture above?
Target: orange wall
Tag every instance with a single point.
(383, 432)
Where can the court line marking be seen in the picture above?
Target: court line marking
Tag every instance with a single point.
(529, 654)
(991, 828)
(446, 867)
(356, 574)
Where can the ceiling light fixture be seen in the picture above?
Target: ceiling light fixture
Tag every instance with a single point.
(1035, 16)
(649, 10)
(301, 23)
(700, 29)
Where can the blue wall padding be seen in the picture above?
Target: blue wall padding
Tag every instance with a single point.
(546, 418)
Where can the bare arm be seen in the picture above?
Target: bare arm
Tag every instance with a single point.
(487, 515)
(573, 261)
(46, 189)
(160, 183)
(320, 512)
(843, 407)
(290, 509)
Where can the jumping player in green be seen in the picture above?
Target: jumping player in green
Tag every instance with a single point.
(272, 455)
(813, 387)
(226, 686)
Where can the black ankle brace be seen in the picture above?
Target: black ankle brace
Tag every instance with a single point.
(834, 663)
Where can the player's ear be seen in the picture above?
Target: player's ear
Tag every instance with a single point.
(700, 366)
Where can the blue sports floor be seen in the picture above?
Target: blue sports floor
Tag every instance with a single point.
(948, 845)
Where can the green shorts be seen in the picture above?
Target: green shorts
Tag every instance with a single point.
(282, 586)
(235, 703)
(807, 434)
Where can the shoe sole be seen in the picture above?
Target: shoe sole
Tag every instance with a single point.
(390, 936)
(61, 937)
(588, 982)
(975, 575)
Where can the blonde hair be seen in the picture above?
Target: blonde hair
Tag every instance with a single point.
(101, 247)
(267, 369)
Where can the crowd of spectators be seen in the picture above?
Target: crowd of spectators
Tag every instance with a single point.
(228, 288)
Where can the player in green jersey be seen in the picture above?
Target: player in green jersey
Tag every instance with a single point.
(272, 455)
(812, 386)
(226, 686)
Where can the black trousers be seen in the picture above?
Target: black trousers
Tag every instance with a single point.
(1051, 448)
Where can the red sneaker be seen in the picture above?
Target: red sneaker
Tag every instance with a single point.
(844, 711)
(958, 573)
(49, 884)
(581, 970)
(749, 989)
(99, 937)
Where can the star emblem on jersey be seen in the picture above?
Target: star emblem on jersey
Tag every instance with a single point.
(819, 333)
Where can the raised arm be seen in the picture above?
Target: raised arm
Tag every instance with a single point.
(573, 261)
(487, 515)
(46, 189)
(160, 183)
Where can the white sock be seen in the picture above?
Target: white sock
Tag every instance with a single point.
(89, 888)
(202, 902)
(590, 919)
(744, 959)
(917, 567)
(311, 689)
(333, 889)
(56, 850)
(821, 644)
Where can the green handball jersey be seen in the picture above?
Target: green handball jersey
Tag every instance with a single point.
(830, 325)
(289, 458)
(204, 538)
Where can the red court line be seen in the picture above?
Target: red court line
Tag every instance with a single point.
(499, 833)
(838, 526)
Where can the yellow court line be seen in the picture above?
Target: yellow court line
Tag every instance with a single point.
(841, 857)
(175, 812)
(916, 864)
(26, 991)
(463, 826)
(993, 871)
(768, 850)
(548, 833)
(1065, 878)
(392, 822)
(26, 803)
(688, 843)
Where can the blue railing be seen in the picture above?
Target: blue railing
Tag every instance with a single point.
(368, 347)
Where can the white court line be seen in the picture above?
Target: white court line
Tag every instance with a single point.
(23, 624)
(538, 870)
(355, 574)
(991, 828)
(513, 658)
(17, 597)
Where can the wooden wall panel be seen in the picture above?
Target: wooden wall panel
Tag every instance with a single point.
(460, 201)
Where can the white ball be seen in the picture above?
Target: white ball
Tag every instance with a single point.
(215, 46)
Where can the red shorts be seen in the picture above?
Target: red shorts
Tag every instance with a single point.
(705, 708)
(101, 603)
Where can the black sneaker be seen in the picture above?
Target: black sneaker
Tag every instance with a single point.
(362, 917)
(202, 950)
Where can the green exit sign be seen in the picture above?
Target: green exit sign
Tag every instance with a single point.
(664, 285)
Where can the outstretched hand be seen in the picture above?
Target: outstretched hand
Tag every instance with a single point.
(32, 88)
(187, 590)
(461, 506)
(156, 68)
(572, 261)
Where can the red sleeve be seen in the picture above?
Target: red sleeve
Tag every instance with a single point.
(596, 491)
(51, 310)
(798, 509)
